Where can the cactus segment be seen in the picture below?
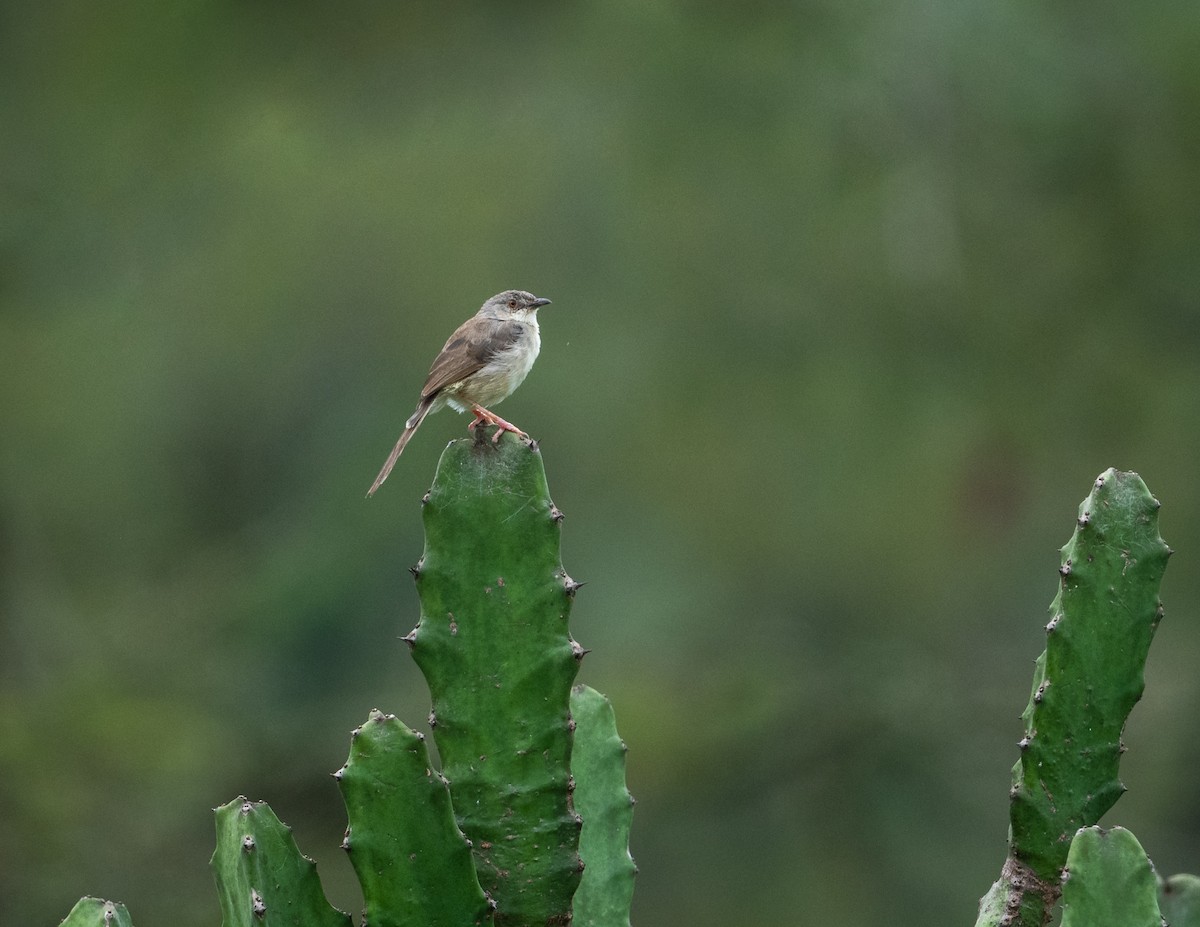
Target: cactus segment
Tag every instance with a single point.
(262, 878)
(1109, 882)
(96, 912)
(605, 892)
(414, 864)
(494, 646)
(1179, 900)
(1091, 673)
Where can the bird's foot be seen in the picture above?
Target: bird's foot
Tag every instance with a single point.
(482, 415)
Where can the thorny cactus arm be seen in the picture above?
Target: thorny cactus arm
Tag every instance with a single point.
(262, 878)
(494, 646)
(605, 893)
(1085, 684)
(413, 863)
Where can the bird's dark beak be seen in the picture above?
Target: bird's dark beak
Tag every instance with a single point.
(539, 302)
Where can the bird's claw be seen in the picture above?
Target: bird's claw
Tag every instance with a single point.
(483, 416)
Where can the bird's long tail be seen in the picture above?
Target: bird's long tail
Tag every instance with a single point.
(410, 428)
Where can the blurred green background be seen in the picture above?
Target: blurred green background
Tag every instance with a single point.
(852, 302)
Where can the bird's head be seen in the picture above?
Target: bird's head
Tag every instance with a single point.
(512, 303)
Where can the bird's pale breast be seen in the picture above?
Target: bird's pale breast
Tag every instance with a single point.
(502, 374)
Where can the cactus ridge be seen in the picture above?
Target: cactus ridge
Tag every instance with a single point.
(494, 646)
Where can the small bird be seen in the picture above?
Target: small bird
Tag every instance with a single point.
(485, 359)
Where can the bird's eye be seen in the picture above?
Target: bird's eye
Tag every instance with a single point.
(512, 304)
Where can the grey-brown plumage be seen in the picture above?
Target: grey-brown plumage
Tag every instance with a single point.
(485, 359)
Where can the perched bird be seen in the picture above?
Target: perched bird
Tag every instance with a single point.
(485, 359)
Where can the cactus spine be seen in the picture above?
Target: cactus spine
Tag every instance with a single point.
(96, 912)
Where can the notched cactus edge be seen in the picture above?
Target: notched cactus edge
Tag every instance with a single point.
(1085, 684)
(494, 645)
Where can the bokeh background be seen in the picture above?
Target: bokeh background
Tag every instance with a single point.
(852, 302)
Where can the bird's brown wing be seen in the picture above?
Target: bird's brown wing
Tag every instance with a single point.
(472, 345)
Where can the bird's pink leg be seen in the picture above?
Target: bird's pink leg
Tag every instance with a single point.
(491, 418)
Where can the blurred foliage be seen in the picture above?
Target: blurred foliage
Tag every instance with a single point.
(852, 301)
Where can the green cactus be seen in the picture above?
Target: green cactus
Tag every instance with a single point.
(413, 863)
(598, 764)
(1179, 900)
(1109, 882)
(1085, 684)
(96, 912)
(262, 878)
(494, 647)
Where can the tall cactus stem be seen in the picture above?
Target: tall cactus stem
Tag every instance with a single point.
(494, 646)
